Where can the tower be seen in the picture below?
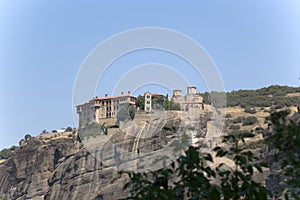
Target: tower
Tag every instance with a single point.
(148, 102)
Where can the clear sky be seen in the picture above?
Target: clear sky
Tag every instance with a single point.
(43, 44)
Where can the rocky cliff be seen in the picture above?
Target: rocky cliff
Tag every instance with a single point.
(68, 168)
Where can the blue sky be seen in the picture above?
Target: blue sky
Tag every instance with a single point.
(43, 43)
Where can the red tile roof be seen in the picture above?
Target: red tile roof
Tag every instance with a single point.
(113, 97)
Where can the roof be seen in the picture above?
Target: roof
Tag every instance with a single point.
(154, 95)
(113, 97)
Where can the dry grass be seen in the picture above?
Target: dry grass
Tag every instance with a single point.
(295, 94)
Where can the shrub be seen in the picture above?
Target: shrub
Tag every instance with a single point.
(80, 146)
(54, 131)
(69, 129)
(249, 120)
(27, 136)
(234, 127)
(196, 179)
(237, 120)
(250, 110)
(21, 141)
(228, 115)
(6, 153)
(259, 129)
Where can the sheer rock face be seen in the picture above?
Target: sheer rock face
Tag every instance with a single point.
(63, 168)
(57, 170)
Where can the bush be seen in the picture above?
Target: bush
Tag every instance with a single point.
(193, 176)
(27, 137)
(234, 127)
(54, 131)
(250, 110)
(21, 141)
(259, 129)
(69, 129)
(6, 153)
(228, 115)
(237, 120)
(125, 113)
(249, 120)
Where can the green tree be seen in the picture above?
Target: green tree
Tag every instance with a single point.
(193, 176)
(27, 136)
(237, 182)
(284, 145)
(249, 120)
(69, 129)
(140, 102)
(123, 114)
(6, 153)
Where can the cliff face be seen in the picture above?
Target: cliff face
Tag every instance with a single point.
(64, 168)
(57, 170)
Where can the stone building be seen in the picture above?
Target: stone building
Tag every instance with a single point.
(191, 101)
(103, 109)
(148, 102)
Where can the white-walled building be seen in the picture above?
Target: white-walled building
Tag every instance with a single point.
(104, 108)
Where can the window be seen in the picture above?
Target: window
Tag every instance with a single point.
(148, 102)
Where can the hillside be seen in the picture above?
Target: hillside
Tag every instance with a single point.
(274, 96)
(61, 165)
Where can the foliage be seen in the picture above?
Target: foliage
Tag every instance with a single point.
(69, 129)
(250, 110)
(140, 102)
(21, 141)
(6, 153)
(131, 111)
(92, 130)
(249, 120)
(27, 136)
(4, 197)
(285, 143)
(237, 120)
(274, 95)
(194, 180)
(234, 127)
(171, 105)
(228, 115)
(158, 102)
(126, 112)
(193, 176)
(237, 183)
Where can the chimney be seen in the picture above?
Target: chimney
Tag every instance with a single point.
(96, 97)
(106, 95)
(122, 93)
(128, 93)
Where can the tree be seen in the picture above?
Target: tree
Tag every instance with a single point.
(69, 129)
(140, 102)
(284, 145)
(131, 111)
(123, 114)
(194, 177)
(249, 120)
(5, 153)
(27, 137)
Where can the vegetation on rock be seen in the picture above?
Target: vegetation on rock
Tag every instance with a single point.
(196, 176)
